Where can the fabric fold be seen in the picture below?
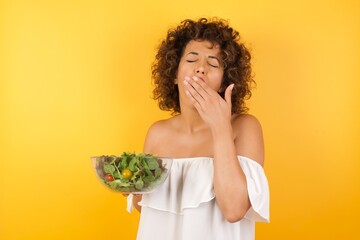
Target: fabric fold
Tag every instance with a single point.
(130, 205)
(258, 190)
(190, 183)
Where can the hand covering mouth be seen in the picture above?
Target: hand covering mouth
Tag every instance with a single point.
(200, 78)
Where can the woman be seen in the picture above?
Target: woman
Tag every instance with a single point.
(217, 188)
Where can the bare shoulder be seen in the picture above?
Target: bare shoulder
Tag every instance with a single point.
(248, 137)
(246, 121)
(156, 132)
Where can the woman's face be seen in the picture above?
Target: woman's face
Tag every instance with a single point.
(201, 59)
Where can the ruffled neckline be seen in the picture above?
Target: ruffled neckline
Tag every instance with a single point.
(188, 185)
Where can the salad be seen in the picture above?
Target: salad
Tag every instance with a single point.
(131, 172)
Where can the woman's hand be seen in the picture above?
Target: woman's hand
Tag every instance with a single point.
(213, 109)
(135, 200)
(127, 194)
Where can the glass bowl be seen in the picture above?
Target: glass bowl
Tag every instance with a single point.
(131, 173)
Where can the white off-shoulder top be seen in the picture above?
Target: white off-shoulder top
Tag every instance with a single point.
(184, 206)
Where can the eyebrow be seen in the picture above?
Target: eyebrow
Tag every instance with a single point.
(197, 54)
(194, 53)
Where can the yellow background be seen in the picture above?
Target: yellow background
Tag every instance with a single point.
(75, 82)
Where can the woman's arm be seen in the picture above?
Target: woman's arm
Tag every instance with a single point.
(150, 142)
(229, 180)
(232, 136)
(136, 199)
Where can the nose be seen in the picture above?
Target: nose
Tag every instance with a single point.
(200, 70)
(200, 67)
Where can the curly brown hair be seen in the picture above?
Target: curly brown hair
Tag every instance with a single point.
(234, 55)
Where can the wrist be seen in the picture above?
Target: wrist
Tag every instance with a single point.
(222, 130)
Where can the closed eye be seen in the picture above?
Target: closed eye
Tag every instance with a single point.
(213, 61)
(212, 65)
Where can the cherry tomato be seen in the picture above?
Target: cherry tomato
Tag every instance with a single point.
(126, 173)
(108, 177)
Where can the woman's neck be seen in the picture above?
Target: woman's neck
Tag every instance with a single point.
(191, 121)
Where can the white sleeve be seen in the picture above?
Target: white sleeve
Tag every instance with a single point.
(130, 205)
(258, 190)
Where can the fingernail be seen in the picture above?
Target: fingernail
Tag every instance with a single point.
(187, 78)
(195, 78)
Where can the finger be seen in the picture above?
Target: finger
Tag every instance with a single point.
(194, 100)
(194, 93)
(200, 86)
(228, 94)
